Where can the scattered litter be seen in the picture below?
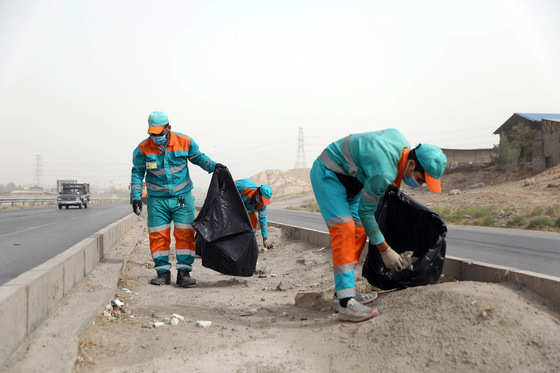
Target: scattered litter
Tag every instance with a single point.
(157, 324)
(107, 314)
(203, 324)
(174, 321)
(121, 306)
(321, 249)
(408, 258)
(127, 290)
(522, 286)
(178, 317)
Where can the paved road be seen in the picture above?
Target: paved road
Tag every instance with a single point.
(528, 250)
(29, 237)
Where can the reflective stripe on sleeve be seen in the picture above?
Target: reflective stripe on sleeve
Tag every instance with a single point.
(369, 198)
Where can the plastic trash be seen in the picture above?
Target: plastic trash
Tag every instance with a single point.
(204, 324)
(408, 226)
(224, 235)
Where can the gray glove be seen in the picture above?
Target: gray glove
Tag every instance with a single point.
(137, 206)
(267, 244)
(392, 260)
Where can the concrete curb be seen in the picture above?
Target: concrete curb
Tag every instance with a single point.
(27, 300)
(460, 269)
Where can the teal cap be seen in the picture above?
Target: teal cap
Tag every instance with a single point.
(433, 161)
(266, 193)
(156, 121)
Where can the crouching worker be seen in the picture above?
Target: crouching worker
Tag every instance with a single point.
(256, 198)
(163, 159)
(349, 178)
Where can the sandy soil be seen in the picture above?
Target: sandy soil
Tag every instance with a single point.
(487, 186)
(281, 320)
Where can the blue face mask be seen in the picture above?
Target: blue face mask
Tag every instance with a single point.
(410, 181)
(159, 139)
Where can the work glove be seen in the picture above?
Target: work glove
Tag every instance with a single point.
(137, 206)
(219, 165)
(392, 260)
(267, 244)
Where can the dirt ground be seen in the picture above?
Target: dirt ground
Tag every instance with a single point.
(487, 185)
(281, 320)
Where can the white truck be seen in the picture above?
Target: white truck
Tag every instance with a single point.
(73, 194)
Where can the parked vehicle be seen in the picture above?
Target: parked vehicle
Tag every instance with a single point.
(75, 194)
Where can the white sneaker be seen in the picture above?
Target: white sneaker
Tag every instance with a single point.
(356, 312)
(364, 299)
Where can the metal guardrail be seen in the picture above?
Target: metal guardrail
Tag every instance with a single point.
(44, 201)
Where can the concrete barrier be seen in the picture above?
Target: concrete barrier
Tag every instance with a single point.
(460, 269)
(27, 300)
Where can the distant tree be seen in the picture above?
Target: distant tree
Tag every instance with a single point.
(504, 153)
(10, 187)
(523, 140)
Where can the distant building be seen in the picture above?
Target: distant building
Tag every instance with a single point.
(468, 155)
(546, 149)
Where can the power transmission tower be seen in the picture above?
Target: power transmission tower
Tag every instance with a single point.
(300, 158)
(38, 168)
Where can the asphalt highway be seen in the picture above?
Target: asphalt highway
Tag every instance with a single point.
(522, 249)
(29, 237)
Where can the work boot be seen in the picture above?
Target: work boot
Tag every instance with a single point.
(365, 298)
(162, 279)
(356, 312)
(184, 278)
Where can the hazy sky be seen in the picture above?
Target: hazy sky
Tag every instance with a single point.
(78, 79)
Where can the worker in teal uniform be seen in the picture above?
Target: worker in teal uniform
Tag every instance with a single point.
(256, 199)
(163, 159)
(349, 178)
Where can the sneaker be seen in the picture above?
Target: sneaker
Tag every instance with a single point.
(162, 279)
(364, 299)
(184, 278)
(356, 312)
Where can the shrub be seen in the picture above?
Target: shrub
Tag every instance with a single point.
(553, 210)
(488, 221)
(517, 221)
(540, 222)
(537, 211)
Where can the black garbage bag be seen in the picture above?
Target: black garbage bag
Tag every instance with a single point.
(407, 226)
(224, 236)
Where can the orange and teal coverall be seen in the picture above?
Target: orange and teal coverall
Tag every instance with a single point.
(349, 178)
(167, 179)
(247, 189)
